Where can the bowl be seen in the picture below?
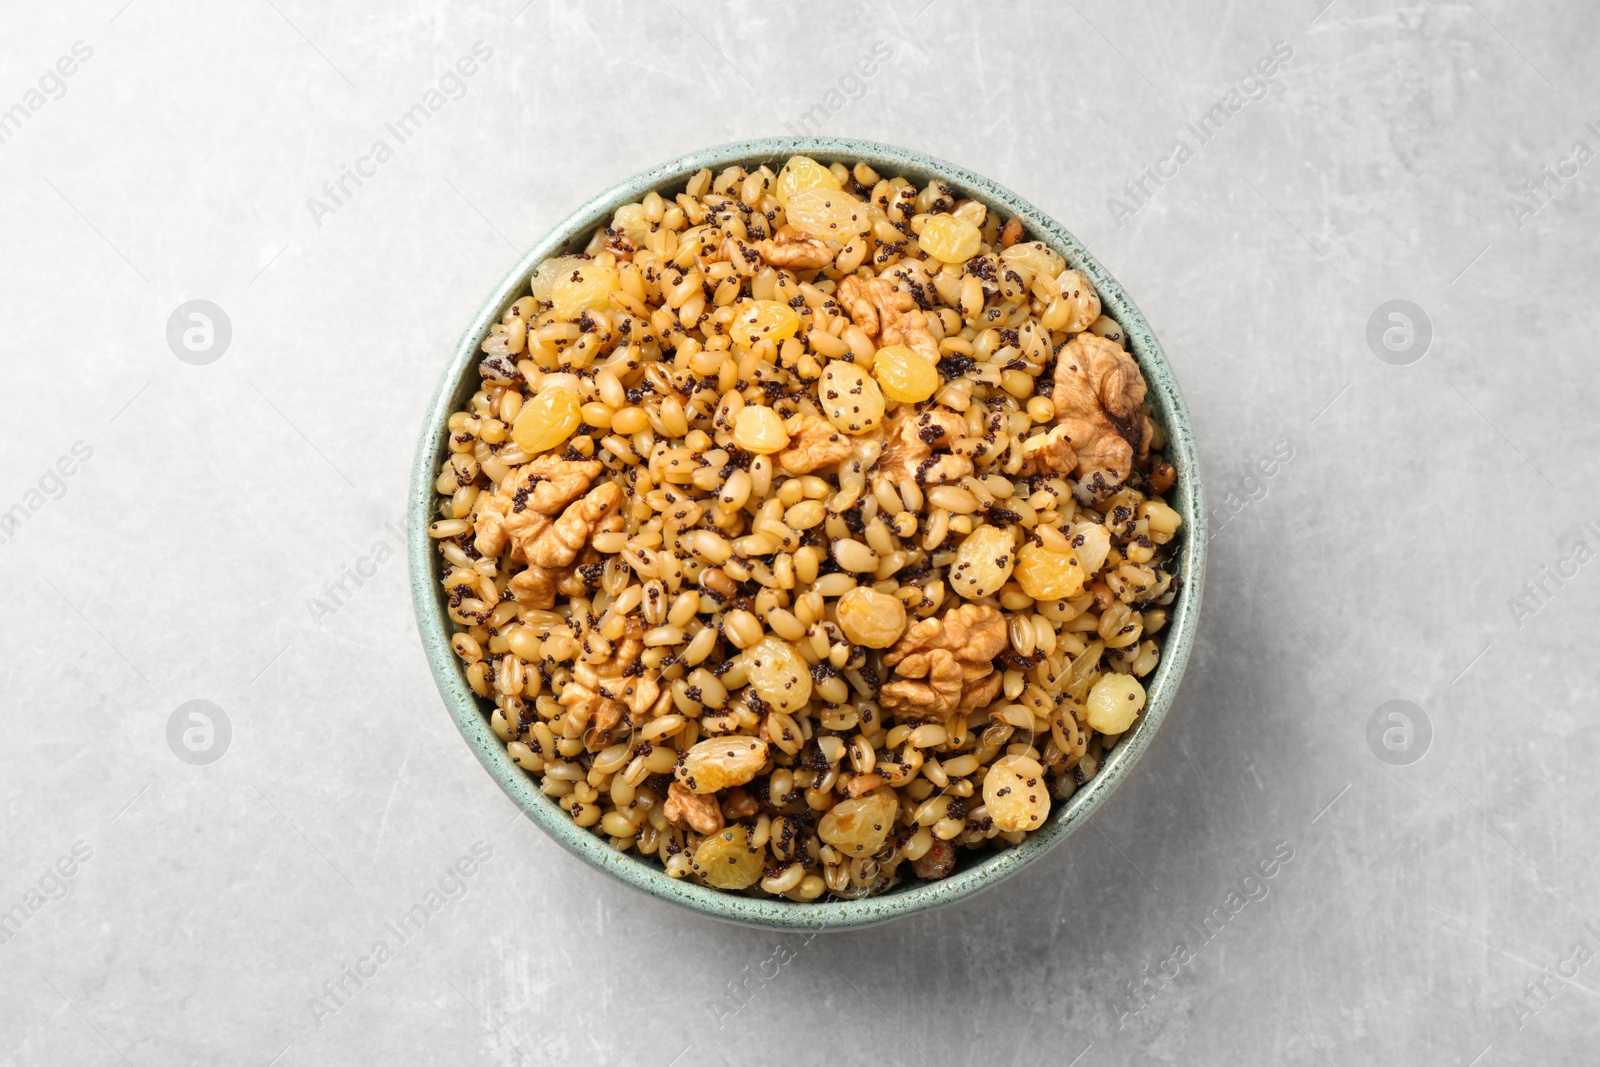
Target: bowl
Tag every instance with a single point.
(459, 382)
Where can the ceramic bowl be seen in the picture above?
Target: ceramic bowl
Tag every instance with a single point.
(976, 874)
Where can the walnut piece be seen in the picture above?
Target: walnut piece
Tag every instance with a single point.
(813, 443)
(795, 250)
(684, 807)
(1098, 390)
(887, 314)
(528, 499)
(1048, 453)
(599, 694)
(558, 544)
(947, 663)
(912, 437)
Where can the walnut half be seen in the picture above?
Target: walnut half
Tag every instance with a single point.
(558, 544)
(792, 249)
(912, 436)
(947, 663)
(527, 500)
(887, 314)
(813, 442)
(600, 694)
(1098, 390)
(700, 813)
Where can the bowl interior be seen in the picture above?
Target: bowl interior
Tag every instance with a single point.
(460, 382)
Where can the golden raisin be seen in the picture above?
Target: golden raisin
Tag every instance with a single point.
(542, 281)
(587, 287)
(757, 428)
(764, 320)
(779, 674)
(950, 239)
(1047, 575)
(829, 214)
(1015, 794)
(719, 762)
(904, 375)
(726, 859)
(631, 221)
(546, 420)
(1033, 259)
(1114, 702)
(860, 825)
(851, 400)
(871, 618)
(983, 562)
(802, 172)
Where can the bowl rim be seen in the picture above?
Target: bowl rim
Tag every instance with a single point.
(435, 628)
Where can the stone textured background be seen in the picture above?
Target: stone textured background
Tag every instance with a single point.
(181, 560)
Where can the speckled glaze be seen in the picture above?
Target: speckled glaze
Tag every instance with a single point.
(460, 381)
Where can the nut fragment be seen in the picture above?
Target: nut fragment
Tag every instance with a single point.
(601, 694)
(794, 250)
(887, 314)
(913, 435)
(1049, 453)
(947, 662)
(525, 503)
(813, 443)
(700, 813)
(559, 543)
(1098, 390)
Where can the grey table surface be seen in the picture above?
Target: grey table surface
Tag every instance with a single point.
(225, 532)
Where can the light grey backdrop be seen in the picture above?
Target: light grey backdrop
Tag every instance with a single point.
(195, 549)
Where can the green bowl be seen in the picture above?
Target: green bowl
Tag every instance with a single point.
(470, 714)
